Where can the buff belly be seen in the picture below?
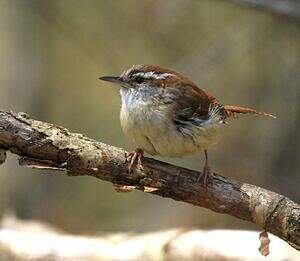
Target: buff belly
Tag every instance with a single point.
(155, 133)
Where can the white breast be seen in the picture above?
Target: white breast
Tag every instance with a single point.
(142, 124)
(153, 130)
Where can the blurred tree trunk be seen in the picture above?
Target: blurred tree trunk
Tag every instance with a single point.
(32, 240)
(23, 69)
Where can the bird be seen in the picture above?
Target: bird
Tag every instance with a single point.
(166, 114)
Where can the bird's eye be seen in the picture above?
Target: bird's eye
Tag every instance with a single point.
(139, 80)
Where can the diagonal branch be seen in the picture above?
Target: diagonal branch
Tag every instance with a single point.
(286, 8)
(44, 145)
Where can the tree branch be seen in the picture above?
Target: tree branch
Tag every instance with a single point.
(44, 145)
(287, 8)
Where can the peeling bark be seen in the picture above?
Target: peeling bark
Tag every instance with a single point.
(264, 243)
(44, 145)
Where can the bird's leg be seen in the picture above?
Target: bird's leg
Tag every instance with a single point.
(206, 171)
(135, 158)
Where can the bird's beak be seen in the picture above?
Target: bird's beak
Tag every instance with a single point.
(113, 79)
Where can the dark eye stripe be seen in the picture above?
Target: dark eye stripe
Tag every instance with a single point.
(139, 79)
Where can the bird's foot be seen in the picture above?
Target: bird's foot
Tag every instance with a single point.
(135, 158)
(205, 176)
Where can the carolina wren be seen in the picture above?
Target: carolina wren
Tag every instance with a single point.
(166, 114)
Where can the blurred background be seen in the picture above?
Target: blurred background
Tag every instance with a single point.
(52, 53)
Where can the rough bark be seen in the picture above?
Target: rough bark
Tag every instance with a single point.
(44, 145)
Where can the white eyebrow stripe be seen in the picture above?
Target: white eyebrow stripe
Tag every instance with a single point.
(162, 76)
(153, 75)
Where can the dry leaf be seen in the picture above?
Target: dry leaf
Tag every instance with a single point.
(123, 188)
(264, 243)
(149, 189)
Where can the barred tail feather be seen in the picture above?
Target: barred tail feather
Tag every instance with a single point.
(233, 111)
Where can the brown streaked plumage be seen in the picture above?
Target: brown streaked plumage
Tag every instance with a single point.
(166, 114)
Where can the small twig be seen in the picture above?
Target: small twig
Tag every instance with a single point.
(39, 164)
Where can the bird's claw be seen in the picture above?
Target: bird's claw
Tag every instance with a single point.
(135, 158)
(206, 173)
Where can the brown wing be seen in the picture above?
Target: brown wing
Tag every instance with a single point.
(193, 105)
(191, 102)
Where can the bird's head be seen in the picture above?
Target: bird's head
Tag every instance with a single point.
(141, 76)
(149, 82)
